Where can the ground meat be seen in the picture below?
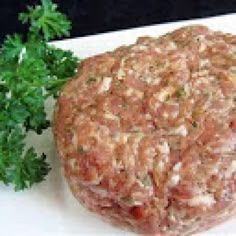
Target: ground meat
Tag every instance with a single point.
(146, 133)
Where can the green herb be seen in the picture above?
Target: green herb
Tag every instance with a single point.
(91, 80)
(194, 124)
(80, 150)
(31, 70)
(180, 93)
(122, 105)
(206, 96)
(146, 180)
(134, 131)
(46, 21)
(128, 200)
(168, 97)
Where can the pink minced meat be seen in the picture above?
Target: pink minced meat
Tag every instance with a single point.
(147, 133)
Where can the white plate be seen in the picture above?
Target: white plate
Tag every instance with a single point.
(49, 208)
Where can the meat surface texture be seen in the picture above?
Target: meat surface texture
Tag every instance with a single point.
(147, 133)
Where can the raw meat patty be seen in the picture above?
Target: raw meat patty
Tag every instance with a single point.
(147, 133)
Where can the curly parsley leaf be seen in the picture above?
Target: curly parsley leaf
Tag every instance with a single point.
(24, 171)
(47, 20)
(12, 46)
(31, 70)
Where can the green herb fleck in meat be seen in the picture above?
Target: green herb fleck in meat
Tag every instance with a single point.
(195, 124)
(91, 80)
(180, 93)
(146, 180)
(80, 150)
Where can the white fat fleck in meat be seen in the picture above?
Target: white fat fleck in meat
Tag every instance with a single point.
(208, 101)
(187, 90)
(174, 114)
(215, 169)
(201, 75)
(156, 81)
(165, 115)
(172, 218)
(101, 192)
(233, 51)
(157, 105)
(121, 137)
(234, 196)
(106, 83)
(139, 94)
(200, 37)
(148, 116)
(175, 176)
(224, 146)
(202, 47)
(111, 116)
(72, 163)
(207, 200)
(163, 148)
(130, 72)
(81, 117)
(75, 140)
(117, 164)
(124, 138)
(150, 152)
(164, 93)
(143, 47)
(130, 92)
(100, 133)
(148, 79)
(93, 111)
(219, 95)
(160, 165)
(137, 140)
(172, 46)
(232, 77)
(177, 166)
(211, 78)
(203, 43)
(181, 131)
(230, 170)
(174, 180)
(191, 101)
(140, 47)
(232, 69)
(120, 72)
(157, 50)
(203, 63)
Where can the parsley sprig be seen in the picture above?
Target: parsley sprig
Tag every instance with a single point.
(31, 70)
